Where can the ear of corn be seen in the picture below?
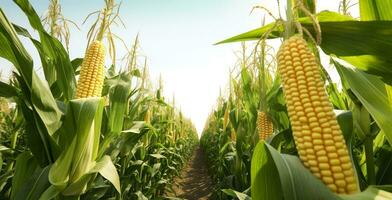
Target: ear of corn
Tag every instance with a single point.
(233, 136)
(317, 134)
(92, 72)
(264, 125)
(226, 118)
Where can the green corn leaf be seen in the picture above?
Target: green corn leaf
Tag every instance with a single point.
(371, 193)
(287, 178)
(22, 171)
(7, 90)
(140, 196)
(36, 184)
(55, 60)
(80, 141)
(371, 92)
(345, 120)
(59, 172)
(50, 193)
(384, 163)
(4, 149)
(105, 167)
(236, 194)
(45, 105)
(375, 10)
(277, 29)
(263, 171)
(41, 96)
(118, 94)
(13, 50)
(344, 37)
(25, 167)
(76, 63)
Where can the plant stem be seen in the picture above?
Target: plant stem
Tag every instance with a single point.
(14, 138)
(289, 30)
(371, 175)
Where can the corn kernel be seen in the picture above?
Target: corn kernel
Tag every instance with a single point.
(310, 112)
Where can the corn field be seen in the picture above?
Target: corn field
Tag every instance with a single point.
(109, 135)
(282, 128)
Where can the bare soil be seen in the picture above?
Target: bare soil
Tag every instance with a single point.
(194, 182)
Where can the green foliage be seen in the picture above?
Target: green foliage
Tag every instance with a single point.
(339, 33)
(127, 144)
(358, 51)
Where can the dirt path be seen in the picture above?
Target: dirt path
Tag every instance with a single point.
(194, 183)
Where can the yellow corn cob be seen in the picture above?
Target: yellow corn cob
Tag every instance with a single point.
(147, 116)
(233, 135)
(226, 119)
(317, 134)
(92, 72)
(264, 125)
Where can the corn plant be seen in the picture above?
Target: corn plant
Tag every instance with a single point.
(236, 124)
(100, 137)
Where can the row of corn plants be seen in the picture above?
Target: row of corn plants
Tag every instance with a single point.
(81, 130)
(285, 130)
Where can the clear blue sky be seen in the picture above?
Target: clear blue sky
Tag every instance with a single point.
(177, 37)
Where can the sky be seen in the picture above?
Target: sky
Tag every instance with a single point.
(176, 36)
